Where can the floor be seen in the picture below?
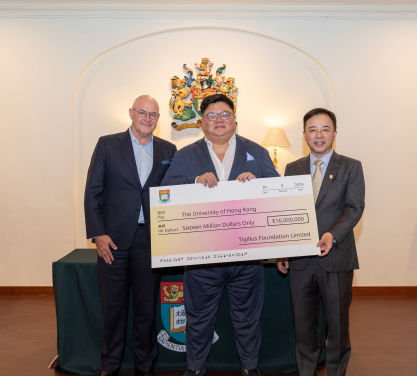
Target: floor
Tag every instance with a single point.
(383, 336)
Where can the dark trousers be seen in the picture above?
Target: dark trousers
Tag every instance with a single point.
(130, 268)
(308, 286)
(203, 289)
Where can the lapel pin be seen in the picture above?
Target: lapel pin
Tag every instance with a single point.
(331, 176)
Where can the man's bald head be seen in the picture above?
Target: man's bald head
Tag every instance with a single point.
(146, 101)
(144, 114)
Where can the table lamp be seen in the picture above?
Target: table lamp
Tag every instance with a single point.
(275, 138)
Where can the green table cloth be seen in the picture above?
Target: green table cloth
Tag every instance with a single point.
(80, 323)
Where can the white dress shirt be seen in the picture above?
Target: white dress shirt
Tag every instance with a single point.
(223, 168)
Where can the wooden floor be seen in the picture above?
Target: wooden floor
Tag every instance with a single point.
(383, 335)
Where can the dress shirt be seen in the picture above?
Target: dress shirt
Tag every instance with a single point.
(323, 166)
(223, 168)
(144, 162)
(325, 160)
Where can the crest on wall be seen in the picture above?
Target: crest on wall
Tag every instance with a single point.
(188, 93)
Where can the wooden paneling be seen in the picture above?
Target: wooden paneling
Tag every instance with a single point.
(385, 291)
(26, 290)
(357, 290)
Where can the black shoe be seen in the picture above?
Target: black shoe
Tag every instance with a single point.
(251, 372)
(188, 372)
(145, 373)
(104, 373)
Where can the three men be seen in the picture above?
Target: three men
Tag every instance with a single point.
(123, 167)
(220, 156)
(339, 192)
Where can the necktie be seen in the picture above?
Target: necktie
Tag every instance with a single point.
(317, 179)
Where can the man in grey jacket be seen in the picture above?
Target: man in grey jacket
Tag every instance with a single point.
(339, 193)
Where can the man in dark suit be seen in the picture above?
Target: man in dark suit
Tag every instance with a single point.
(339, 193)
(221, 155)
(123, 167)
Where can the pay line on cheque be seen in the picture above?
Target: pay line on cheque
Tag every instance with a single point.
(228, 215)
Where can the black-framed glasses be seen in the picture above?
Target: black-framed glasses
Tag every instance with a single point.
(143, 114)
(224, 115)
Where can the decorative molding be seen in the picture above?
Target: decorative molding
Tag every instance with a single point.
(26, 290)
(207, 10)
(384, 290)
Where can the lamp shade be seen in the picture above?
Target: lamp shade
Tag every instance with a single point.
(276, 137)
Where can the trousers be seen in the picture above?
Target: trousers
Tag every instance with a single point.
(203, 289)
(130, 271)
(307, 287)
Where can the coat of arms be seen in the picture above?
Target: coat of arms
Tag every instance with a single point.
(173, 317)
(204, 85)
(164, 196)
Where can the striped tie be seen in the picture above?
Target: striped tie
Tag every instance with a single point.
(317, 179)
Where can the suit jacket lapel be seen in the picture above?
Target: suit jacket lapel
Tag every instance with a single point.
(240, 157)
(202, 151)
(332, 169)
(305, 166)
(158, 155)
(125, 146)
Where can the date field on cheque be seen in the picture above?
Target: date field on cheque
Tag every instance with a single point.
(287, 219)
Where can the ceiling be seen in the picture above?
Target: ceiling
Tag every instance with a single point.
(292, 2)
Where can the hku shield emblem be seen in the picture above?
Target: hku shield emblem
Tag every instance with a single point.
(173, 317)
(164, 196)
(204, 85)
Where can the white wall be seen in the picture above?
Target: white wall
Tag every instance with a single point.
(47, 143)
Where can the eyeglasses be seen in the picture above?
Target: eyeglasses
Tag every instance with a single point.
(224, 115)
(143, 114)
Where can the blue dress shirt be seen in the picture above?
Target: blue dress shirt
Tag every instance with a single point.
(325, 160)
(144, 162)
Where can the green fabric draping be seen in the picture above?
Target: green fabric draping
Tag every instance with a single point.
(80, 323)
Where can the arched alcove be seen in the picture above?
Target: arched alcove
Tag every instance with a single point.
(277, 82)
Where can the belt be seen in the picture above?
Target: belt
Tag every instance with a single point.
(140, 225)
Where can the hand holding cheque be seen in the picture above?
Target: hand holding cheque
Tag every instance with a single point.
(325, 244)
(263, 218)
(210, 180)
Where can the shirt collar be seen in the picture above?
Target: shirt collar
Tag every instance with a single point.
(231, 141)
(325, 159)
(134, 139)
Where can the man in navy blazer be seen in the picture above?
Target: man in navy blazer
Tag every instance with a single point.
(340, 201)
(123, 167)
(221, 155)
